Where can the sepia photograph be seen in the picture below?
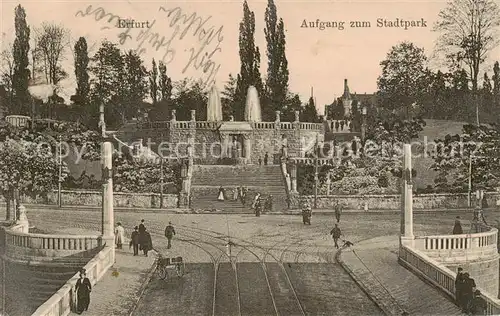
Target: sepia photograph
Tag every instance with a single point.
(249, 158)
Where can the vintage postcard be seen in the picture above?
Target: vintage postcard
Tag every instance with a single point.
(249, 158)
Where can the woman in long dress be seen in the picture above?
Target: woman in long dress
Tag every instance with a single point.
(236, 193)
(119, 235)
(83, 289)
(221, 194)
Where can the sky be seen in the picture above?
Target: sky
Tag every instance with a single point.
(208, 48)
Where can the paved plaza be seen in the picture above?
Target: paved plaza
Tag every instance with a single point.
(275, 265)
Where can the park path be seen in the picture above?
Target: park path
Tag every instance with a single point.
(117, 293)
(374, 265)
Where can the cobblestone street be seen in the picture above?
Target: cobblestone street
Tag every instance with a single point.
(275, 264)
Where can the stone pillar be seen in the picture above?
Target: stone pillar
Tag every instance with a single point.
(293, 177)
(193, 115)
(223, 146)
(407, 196)
(107, 194)
(278, 116)
(297, 116)
(173, 118)
(248, 147)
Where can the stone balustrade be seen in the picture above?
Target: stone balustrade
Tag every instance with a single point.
(44, 247)
(439, 275)
(61, 302)
(339, 126)
(450, 248)
(312, 161)
(213, 125)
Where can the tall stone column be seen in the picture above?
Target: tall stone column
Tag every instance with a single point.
(293, 177)
(224, 146)
(248, 148)
(107, 187)
(407, 197)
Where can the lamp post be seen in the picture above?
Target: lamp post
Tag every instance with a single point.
(161, 181)
(316, 172)
(59, 200)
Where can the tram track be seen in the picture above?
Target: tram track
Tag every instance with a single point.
(262, 263)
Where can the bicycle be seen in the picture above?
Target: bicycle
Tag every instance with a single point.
(164, 264)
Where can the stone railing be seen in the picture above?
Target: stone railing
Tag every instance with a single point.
(61, 302)
(339, 126)
(439, 275)
(312, 161)
(44, 247)
(255, 125)
(449, 247)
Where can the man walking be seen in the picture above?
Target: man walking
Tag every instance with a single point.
(336, 233)
(142, 228)
(338, 211)
(134, 240)
(169, 233)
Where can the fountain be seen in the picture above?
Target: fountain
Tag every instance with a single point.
(252, 108)
(214, 107)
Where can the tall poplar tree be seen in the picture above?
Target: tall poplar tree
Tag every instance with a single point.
(153, 83)
(496, 83)
(21, 62)
(165, 83)
(81, 72)
(277, 70)
(250, 63)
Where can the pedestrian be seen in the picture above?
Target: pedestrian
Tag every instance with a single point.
(457, 228)
(142, 228)
(220, 195)
(169, 233)
(338, 211)
(459, 283)
(467, 292)
(134, 240)
(119, 235)
(83, 289)
(336, 233)
(146, 244)
(266, 158)
(258, 206)
(243, 195)
(236, 194)
(260, 161)
(255, 199)
(478, 305)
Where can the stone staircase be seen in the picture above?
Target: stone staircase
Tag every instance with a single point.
(29, 286)
(207, 179)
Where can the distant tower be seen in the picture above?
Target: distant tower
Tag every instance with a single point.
(346, 100)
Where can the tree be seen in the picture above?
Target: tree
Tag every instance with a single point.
(190, 95)
(277, 69)
(135, 88)
(81, 72)
(107, 83)
(404, 77)
(309, 113)
(28, 167)
(165, 83)
(486, 95)
(21, 74)
(468, 33)
(7, 74)
(228, 97)
(250, 63)
(496, 84)
(52, 41)
(478, 145)
(153, 82)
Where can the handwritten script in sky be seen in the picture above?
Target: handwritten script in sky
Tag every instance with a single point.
(157, 40)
